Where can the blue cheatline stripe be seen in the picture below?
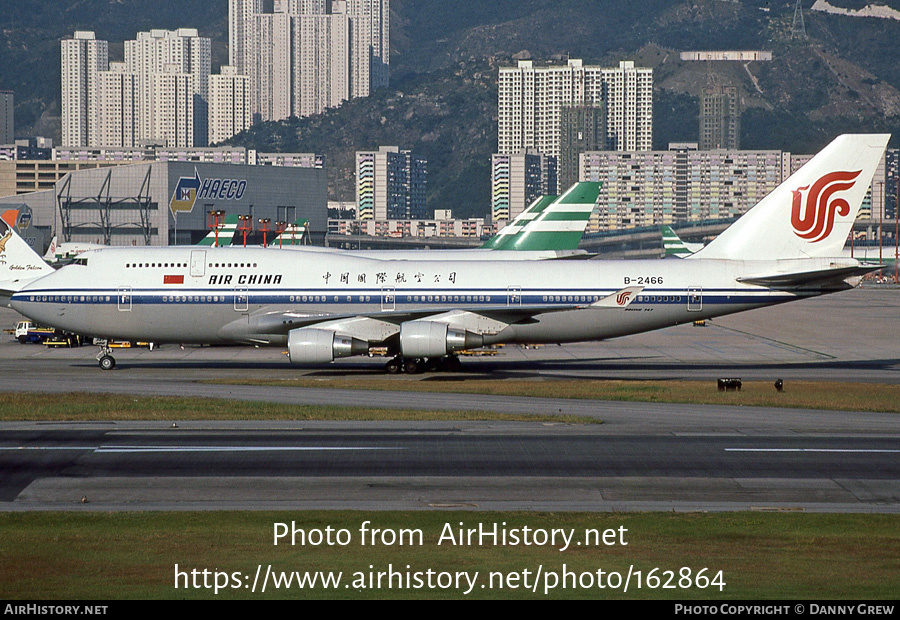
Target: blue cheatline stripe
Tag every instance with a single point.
(417, 296)
(393, 287)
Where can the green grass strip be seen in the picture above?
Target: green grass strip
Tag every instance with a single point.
(15, 406)
(105, 557)
(831, 395)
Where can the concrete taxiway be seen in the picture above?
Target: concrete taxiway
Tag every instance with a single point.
(645, 456)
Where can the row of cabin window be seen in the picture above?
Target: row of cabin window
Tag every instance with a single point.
(324, 298)
(659, 298)
(573, 298)
(69, 298)
(449, 298)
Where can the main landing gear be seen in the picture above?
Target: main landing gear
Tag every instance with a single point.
(415, 365)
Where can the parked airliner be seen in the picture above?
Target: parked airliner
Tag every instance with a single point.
(550, 228)
(324, 306)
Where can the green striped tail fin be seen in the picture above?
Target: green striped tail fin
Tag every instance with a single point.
(561, 224)
(293, 234)
(225, 234)
(510, 232)
(674, 246)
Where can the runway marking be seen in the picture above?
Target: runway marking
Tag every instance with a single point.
(106, 449)
(865, 451)
(48, 448)
(778, 344)
(135, 449)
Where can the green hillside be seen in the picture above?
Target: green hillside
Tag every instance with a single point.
(444, 58)
(30, 33)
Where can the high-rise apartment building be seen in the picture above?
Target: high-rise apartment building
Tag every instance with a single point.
(370, 45)
(892, 185)
(240, 14)
(125, 104)
(321, 63)
(240, 24)
(650, 188)
(83, 58)
(517, 179)
(7, 117)
(532, 97)
(581, 128)
(164, 52)
(271, 66)
(174, 110)
(720, 118)
(300, 60)
(390, 184)
(229, 104)
(118, 108)
(304, 56)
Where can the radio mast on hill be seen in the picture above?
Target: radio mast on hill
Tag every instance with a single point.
(798, 28)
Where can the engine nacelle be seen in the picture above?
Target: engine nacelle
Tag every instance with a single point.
(433, 339)
(308, 345)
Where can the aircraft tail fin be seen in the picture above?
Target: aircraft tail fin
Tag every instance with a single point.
(512, 230)
(225, 234)
(18, 262)
(673, 245)
(561, 224)
(811, 213)
(51, 251)
(293, 234)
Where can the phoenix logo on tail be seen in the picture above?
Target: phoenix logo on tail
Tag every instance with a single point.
(6, 235)
(816, 221)
(622, 298)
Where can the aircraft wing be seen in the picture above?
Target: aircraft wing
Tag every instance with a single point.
(376, 327)
(820, 278)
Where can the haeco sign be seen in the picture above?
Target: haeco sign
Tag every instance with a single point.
(191, 189)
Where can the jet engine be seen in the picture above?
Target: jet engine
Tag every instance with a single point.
(308, 345)
(433, 339)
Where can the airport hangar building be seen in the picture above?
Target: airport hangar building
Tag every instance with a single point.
(168, 203)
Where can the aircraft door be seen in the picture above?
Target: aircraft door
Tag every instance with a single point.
(241, 299)
(514, 296)
(124, 299)
(388, 298)
(695, 299)
(198, 263)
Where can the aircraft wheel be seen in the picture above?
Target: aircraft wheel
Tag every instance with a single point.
(393, 367)
(107, 362)
(412, 366)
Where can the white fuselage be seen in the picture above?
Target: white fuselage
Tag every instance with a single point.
(221, 295)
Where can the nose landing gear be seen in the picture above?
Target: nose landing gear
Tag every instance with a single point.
(107, 361)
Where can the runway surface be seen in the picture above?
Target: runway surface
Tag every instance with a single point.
(644, 456)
